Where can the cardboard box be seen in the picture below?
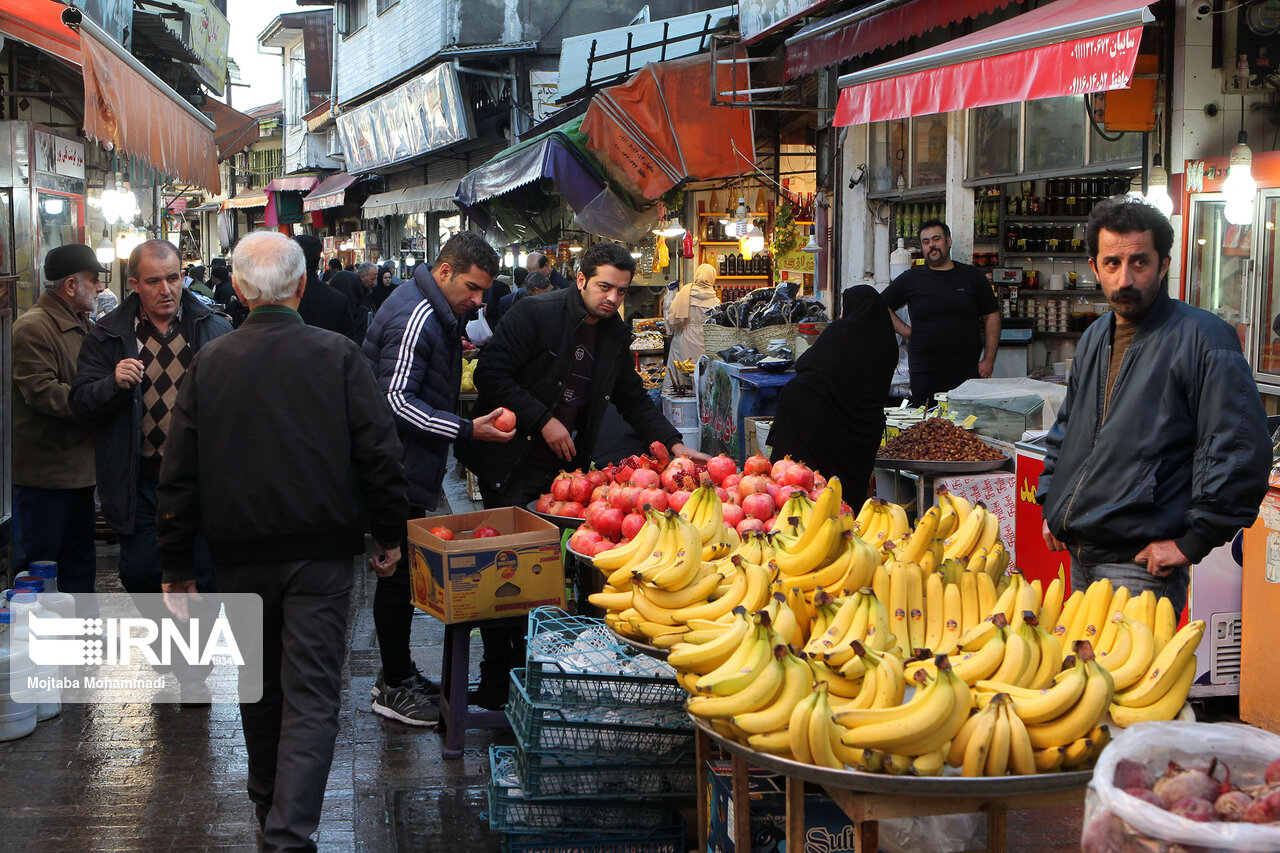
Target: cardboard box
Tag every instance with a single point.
(468, 579)
(826, 828)
(751, 434)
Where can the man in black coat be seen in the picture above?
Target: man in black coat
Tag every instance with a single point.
(321, 305)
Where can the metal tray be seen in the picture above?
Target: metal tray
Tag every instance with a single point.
(645, 648)
(923, 786)
(564, 522)
(922, 466)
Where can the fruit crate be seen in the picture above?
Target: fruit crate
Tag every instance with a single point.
(665, 839)
(512, 810)
(598, 732)
(563, 643)
(548, 776)
(547, 684)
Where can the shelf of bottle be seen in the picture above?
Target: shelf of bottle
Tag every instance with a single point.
(1038, 293)
(1046, 220)
(735, 213)
(803, 222)
(720, 243)
(1008, 255)
(724, 277)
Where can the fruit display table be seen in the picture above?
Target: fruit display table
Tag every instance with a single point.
(868, 798)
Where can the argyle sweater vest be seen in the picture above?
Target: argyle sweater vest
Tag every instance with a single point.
(165, 358)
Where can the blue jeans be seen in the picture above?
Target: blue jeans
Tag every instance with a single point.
(56, 524)
(1135, 577)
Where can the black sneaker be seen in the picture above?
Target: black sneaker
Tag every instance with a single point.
(406, 704)
(417, 679)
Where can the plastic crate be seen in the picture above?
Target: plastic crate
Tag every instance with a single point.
(550, 776)
(545, 683)
(510, 810)
(565, 643)
(627, 734)
(666, 839)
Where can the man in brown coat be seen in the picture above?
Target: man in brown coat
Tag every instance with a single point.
(53, 472)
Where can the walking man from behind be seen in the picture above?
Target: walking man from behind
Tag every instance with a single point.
(53, 471)
(1160, 451)
(279, 395)
(415, 348)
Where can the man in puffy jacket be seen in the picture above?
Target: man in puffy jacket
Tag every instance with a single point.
(1160, 451)
(415, 348)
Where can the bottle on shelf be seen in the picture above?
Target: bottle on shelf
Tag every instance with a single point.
(899, 260)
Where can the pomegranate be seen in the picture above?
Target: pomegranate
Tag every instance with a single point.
(624, 475)
(599, 493)
(733, 515)
(610, 472)
(653, 497)
(560, 486)
(543, 504)
(724, 496)
(719, 467)
(772, 523)
(485, 532)
(583, 538)
(781, 467)
(784, 495)
(677, 499)
(598, 478)
(815, 494)
(756, 465)
(748, 524)
(556, 508)
(572, 509)
(609, 522)
(646, 479)
(798, 475)
(731, 482)
(580, 489)
(758, 505)
(623, 498)
(593, 509)
(505, 421)
(599, 547)
(671, 479)
(819, 481)
(631, 525)
(660, 453)
(442, 533)
(751, 484)
(771, 488)
(1273, 772)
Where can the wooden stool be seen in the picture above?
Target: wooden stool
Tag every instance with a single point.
(455, 687)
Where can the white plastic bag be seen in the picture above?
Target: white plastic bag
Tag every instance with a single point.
(936, 833)
(1115, 821)
(478, 331)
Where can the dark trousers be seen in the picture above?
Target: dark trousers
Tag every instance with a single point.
(56, 524)
(290, 731)
(393, 615)
(926, 383)
(140, 573)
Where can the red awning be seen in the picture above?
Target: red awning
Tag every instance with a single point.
(332, 192)
(828, 41)
(293, 183)
(659, 127)
(236, 131)
(39, 24)
(1068, 47)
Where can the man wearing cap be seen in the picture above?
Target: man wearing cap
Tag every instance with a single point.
(53, 472)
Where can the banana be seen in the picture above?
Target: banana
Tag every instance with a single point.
(1022, 756)
(891, 684)
(733, 597)
(785, 622)
(1050, 660)
(1052, 605)
(1096, 600)
(1007, 601)
(922, 536)
(1047, 704)
(756, 694)
(929, 764)
(924, 717)
(669, 640)
(915, 607)
(699, 591)
(1151, 612)
(820, 726)
(1067, 616)
(899, 525)
(879, 636)
(1077, 752)
(862, 562)
(1107, 633)
(712, 522)
(796, 684)
(759, 581)
(1016, 652)
(1087, 711)
(1121, 646)
(1050, 759)
(990, 532)
(710, 656)
(934, 609)
(798, 728)
(1164, 673)
(952, 620)
(826, 506)
(986, 594)
(800, 607)
(641, 545)
(976, 666)
(773, 743)
(727, 680)
(981, 634)
(662, 555)
(898, 607)
(1101, 736)
(978, 743)
(970, 614)
(1165, 624)
(929, 562)
(1165, 708)
(948, 521)
(812, 556)
(865, 698)
(1140, 656)
(863, 518)
(842, 650)
(837, 626)
(961, 543)
(837, 684)
(649, 611)
(614, 601)
(998, 748)
(880, 583)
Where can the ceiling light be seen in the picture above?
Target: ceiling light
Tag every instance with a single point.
(1240, 188)
(1158, 188)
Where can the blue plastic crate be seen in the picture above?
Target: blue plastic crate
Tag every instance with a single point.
(551, 776)
(666, 839)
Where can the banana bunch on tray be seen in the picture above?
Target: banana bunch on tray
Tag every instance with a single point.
(688, 365)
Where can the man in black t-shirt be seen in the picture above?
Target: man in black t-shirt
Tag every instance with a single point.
(955, 319)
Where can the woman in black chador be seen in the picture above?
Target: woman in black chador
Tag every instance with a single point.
(831, 415)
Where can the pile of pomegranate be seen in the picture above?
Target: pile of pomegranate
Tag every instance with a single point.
(611, 500)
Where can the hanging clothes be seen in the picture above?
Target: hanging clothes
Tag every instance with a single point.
(826, 418)
(685, 316)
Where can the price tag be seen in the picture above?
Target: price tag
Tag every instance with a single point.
(903, 404)
(970, 421)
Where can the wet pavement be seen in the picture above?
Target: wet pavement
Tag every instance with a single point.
(164, 777)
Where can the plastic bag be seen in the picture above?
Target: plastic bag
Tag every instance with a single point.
(1115, 821)
(937, 834)
(997, 390)
(478, 331)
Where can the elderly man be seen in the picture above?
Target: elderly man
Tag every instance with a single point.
(282, 526)
(539, 262)
(53, 473)
(127, 379)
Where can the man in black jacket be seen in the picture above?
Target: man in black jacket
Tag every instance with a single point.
(278, 396)
(1160, 451)
(557, 361)
(322, 305)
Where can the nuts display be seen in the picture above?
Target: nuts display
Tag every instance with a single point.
(938, 440)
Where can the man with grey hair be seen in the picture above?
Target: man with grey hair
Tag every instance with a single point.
(538, 261)
(283, 527)
(53, 473)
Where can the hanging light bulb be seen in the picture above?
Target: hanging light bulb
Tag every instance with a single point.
(575, 246)
(53, 206)
(812, 246)
(1240, 187)
(126, 242)
(673, 228)
(508, 259)
(1158, 188)
(742, 218)
(522, 257)
(410, 260)
(106, 252)
(755, 239)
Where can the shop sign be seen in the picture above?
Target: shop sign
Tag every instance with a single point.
(358, 239)
(330, 244)
(208, 41)
(423, 115)
(795, 261)
(544, 87)
(58, 156)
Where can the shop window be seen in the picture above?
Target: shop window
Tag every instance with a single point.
(888, 156)
(993, 140)
(1055, 134)
(928, 151)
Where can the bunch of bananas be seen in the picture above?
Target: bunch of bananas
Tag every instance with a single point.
(686, 366)
(469, 375)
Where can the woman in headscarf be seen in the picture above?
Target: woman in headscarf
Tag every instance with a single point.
(685, 316)
(825, 419)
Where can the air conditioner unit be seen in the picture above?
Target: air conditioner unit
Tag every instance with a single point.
(1215, 595)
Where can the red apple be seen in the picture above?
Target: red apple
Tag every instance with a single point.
(609, 522)
(756, 465)
(749, 524)
(758, 505)
(719, 467)
(485, 531)
(733, 515)
(506, 420)
(442, 533)
(631, 525)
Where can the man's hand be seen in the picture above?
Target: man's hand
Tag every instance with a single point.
(1050, 541)
(383, 562)
(175, 597)
(902, 329)
(1162, 557)
(681, 449)
(558, 439)
(985, 367)
(482, 429)
(128, 372)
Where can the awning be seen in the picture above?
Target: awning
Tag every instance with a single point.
(659, 127)
(293, 183)
(1068, 47)
(332, 192)
(246, 199)
(842, 37)
(39, 24)
(381, 204)
(236, 131)
(436, 197)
